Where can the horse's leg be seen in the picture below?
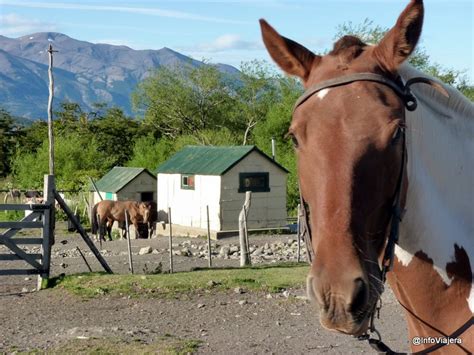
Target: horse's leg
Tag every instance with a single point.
(110, 223)
(103, 228)
(137, 230)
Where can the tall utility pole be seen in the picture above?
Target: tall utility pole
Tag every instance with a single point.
(50, 110)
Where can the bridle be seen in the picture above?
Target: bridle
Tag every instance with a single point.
(403, 91)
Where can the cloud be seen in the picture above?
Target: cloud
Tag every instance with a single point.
(14, 25)
(152, 11)
(226, 42)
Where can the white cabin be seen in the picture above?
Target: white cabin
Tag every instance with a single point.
(218, 177)
(123, 183)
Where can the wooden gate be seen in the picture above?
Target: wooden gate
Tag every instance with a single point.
(39, 218)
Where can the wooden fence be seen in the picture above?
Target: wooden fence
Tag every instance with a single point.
(39, 218)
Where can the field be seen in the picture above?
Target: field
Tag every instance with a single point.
(226, 310)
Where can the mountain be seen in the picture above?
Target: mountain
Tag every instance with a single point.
(84, 72)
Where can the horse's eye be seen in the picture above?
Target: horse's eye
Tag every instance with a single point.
(294, 140)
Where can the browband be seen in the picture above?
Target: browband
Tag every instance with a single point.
(403, 91)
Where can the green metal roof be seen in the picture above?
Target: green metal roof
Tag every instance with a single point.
(208, 160)
(117, 178)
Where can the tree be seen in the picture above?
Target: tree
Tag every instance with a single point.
(255, 94)
(115, 134)
(178, 101)
(9, 136)
(372, 34)
(76, 158)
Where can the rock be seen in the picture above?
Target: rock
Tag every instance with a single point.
(63, 265)
(258, 251)
(303, 298)
(200, 305)
(239, 290)
(24, 290)
(186, 252)
(286, 293)
(242, 302)
(279, 245)
(269, 296)
(145, 250)
(234, 249)
(27, 278)
(225, 250)
(213, 283)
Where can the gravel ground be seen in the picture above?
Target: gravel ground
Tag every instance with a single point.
(224, 322)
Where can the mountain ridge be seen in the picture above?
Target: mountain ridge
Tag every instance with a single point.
(85, 72)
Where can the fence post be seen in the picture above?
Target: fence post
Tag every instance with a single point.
(244, 253)
(48, 230)
(298, 234)
(209, 238)
(129, 243)
(170, 240)
(84, 258)
(50, 110)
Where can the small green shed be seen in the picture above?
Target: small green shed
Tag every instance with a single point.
(123, 183)
(218, 177)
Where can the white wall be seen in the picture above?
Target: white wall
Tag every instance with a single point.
(268, 209)
(96, 198)
(188, 207)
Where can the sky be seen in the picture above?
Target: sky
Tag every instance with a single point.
(227, 31)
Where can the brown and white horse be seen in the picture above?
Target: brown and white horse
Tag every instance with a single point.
(359, 151)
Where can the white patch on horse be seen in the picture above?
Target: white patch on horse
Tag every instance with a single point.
(322, 93)
(403, 256)
(440, 133)
(470, 300)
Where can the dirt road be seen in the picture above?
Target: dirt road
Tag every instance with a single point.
(218, 323)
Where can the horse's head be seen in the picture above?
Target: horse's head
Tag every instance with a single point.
(349, 150)
(144, 209)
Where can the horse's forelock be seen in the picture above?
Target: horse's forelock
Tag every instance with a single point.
(349, 47)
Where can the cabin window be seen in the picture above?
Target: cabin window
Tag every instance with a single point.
(255, 182)
(109, 196)
(187, 182)
(146, 196)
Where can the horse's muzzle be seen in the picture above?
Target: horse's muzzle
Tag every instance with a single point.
(345, 312)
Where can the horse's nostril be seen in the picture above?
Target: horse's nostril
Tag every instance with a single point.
(360, 296)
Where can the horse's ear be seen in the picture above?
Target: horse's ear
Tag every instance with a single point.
(292, 57)
(401, 40)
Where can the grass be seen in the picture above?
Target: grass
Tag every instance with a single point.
(11, 215)
(273, 278)
(167, 345)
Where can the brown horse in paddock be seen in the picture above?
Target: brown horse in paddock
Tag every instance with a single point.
(366, 153)
(104, 213)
